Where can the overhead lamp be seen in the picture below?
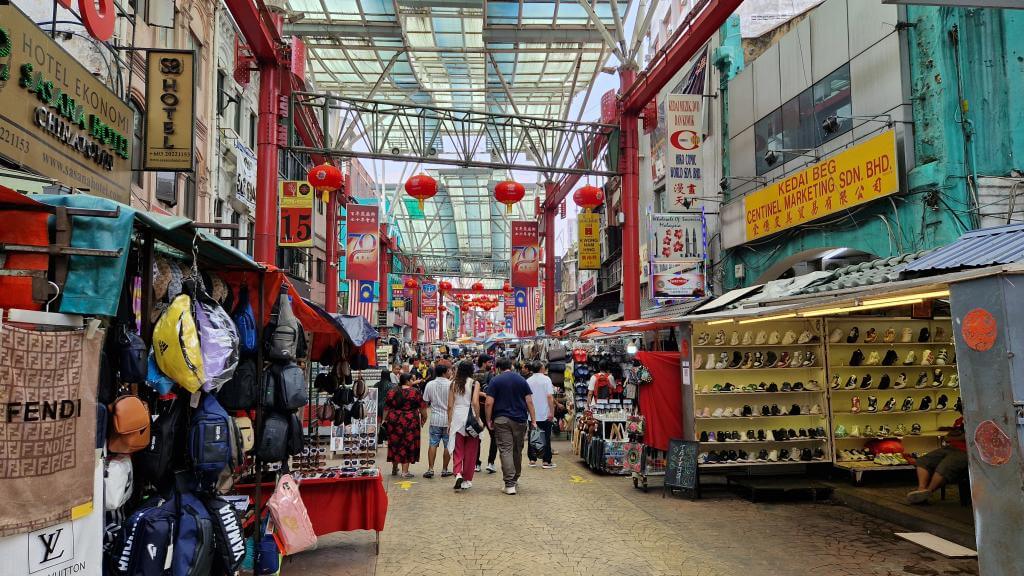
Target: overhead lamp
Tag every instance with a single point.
(771, 157)
(724, 182)
(860, 307)
(768, 318)
(717, 322)
(921, 296)
(830, 125)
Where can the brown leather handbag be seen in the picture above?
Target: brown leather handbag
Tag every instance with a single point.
(129, 417)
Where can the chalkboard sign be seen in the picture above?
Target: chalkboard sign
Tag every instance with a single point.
(681, 466)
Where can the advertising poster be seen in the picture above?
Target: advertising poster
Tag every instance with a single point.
(678, 280)
(361, 257)
(397, 297)
(295, 200)
(170, 111)
(676, 237)
(683, 159)
(589, 241)
(588, 290)
(860, 174)
(428, 299)
(525, 254)
(693, 83)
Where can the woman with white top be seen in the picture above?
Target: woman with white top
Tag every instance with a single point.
(462, 396)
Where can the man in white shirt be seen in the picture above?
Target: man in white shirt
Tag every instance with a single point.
(435, 396)
(544, 406)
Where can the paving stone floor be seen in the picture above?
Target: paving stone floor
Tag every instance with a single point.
(573, 522)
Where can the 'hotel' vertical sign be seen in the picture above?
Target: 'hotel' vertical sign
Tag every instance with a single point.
(170, 111)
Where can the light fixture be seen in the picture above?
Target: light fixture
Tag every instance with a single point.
(860, 307)
(631, 348)
(822, 312)
(921, 296)
(771, 157)
(724, 182)
(768, 318)
(830, 125)
(833, 253)
(717, 322)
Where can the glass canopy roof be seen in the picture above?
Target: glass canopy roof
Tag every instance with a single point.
(500, 56)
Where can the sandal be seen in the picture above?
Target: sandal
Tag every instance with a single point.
(407, 475)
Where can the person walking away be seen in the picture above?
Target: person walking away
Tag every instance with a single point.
(463, 397)
(383, 387)
(945, 465)
(543, 392)
(483, 377)
(404, 422)
(601, 385)
(435, 398)
(509, 415)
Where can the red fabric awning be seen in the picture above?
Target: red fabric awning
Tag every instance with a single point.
(623, 327)
(661, 401)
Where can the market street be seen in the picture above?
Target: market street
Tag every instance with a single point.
(572, 521)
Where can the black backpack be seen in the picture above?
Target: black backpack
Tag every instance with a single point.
(342, 396)
(289, 383)
(284, 329)
(166, 440)
(147, 537)
(242, 391)
(272, 445)
(296, 438)
(227, 533)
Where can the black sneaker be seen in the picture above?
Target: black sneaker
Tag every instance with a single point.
(819, 454)
(751, 435)
(865, 382)
(704, 436)
(737, 361)
(798, 386)
(925, 335)
(908, 404)
(428, 474)
(772, 387)
(889, 405)
(821, 432)
(792, 434)
(733, 456)
(794, 410)
(922, 378)
(758, 360)
(458, 483)
(775, 410)
(747, 410)
(743, 456)
(851, 383)
(728, 387)
(883, 383)
(854, 335)
(926, 403)
(761, 387)
(770, 359)
(803, 433)
(959, 407)
(941, 404)
(857, 357)
(736, 436)
(784, 454)
(890, 358)
(872, 404)
(762, 456)
(805, 455)
(766, 410)
(787, 387)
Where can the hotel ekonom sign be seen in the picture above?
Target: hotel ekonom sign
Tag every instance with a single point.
(58, 119)
(170, 110)
(861, 174)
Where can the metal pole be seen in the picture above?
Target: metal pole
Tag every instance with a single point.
(414, 306)
(331, 282)
(549, 261)
(265, 241)
(629, 159)
(261, 318)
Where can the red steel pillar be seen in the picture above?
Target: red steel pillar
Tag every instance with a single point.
(629, 162)
(414, 307)
(265, 241)
(440, 315)
(331, 282)
(549, 260)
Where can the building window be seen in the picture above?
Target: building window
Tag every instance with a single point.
(195, 44)
(167, 188)
(320, 270)
(238, 114)
(221, 78)
(236, 219)
(797, 124)
(138, 130)
(190, 196)
(250, 236)
(253, 123)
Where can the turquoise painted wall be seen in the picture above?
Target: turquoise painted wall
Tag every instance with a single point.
(988, 140)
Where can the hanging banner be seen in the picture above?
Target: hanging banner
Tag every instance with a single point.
(683, 158)
(857, 175)
(428, 299)
(361, 254)
(295, 200)
(170, 111)
(397, 297)
(678, 280)
(525, 254)
(589, 224)
(692, 83)
(677, 237)
(588, 290)
(58, 120)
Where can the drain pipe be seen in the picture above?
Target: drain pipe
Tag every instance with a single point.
(967, 128)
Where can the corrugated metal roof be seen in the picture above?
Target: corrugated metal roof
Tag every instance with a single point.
(985, 247)
(670, 310)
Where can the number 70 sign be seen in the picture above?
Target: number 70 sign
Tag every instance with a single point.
(295, 227)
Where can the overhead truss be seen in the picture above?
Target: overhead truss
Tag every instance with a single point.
(438, 266)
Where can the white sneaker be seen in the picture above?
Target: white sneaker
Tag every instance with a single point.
(466, 485)
(717, 413)
(762, 337)
(789, 338)
(816, 409)
(510, 490)
(533, 464)
(549, 466)
(491, 469)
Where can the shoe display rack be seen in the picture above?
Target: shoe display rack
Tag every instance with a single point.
(889, 379)
(760, 393)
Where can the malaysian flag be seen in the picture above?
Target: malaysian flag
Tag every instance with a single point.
(360, 300)
(525, 319)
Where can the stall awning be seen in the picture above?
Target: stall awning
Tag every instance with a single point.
(180, 233)
(624, 327)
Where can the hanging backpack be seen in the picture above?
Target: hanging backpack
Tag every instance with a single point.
(166, 439)
(129, 418)
(342, 396)
(156, 379)
(296, 438)
(227, 534)
(194, 539)
(241, 392)
(132, 356)
(176, 345)
(212, 441)
(272, 444)
(245, 323)
(290, 386)
(147, 537)
(602, 385)
(283, 336)
(117, 482)
(246, 433)
(218, 342)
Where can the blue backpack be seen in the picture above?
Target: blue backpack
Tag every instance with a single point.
(245, 322)
(213, 442)
(148, 535)
(194, 543)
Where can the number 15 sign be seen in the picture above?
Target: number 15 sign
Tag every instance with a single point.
(295, 229)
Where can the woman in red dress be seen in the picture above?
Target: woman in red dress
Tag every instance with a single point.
(404, 405)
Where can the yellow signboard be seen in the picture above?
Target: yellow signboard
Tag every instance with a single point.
(855, 176)
(590, 241)
(170, 110)
(57, 119)
(295, 203)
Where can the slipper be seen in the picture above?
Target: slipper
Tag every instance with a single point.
(445, 473)
(407, 475)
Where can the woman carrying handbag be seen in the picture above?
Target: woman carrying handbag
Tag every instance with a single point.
(464, 424)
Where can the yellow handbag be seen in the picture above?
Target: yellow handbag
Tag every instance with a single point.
(176, 345)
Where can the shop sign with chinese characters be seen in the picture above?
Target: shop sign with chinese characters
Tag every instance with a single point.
(170, 111)
(684, 161)
(362, 245)
(59, 120)
(525, 254)
(295, 199)
(589, 241)
(861, 174)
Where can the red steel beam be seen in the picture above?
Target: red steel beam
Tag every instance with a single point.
(669, 60)
(563, 188)
(261, 40)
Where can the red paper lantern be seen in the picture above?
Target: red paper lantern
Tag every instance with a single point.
(588, 197)
(444, 286)
(506, 288)
(411, 284)
(421, 187)
(508, 193)
(478, 286)
(325, 178)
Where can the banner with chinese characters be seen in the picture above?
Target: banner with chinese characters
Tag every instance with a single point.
(170, 111)
(361, 260)
(589, 241)
(295, 200)
(683, 159)
(397, 297)
(677, 280)
(525, 254)
(428, 299)
(860, 174)
(675, 237)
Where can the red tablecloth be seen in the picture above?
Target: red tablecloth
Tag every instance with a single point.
(337, 504)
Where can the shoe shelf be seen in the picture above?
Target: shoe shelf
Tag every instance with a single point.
(759, 393)
(737, 463)
(759, 417)
(902, 367)
(855, 345)
(797, 441)
(893, 391)
(870, 464)
(893, 412)
(935, 434)
(755, 346)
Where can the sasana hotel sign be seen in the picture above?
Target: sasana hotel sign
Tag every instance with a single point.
(56, 118)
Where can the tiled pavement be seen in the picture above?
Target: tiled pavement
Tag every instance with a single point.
(571, 521)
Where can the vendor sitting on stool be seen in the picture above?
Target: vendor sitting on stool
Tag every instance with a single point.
(946, 465)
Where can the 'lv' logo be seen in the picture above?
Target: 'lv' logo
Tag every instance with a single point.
(50, 542)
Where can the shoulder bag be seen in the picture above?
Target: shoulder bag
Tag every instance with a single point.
(473, 425)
